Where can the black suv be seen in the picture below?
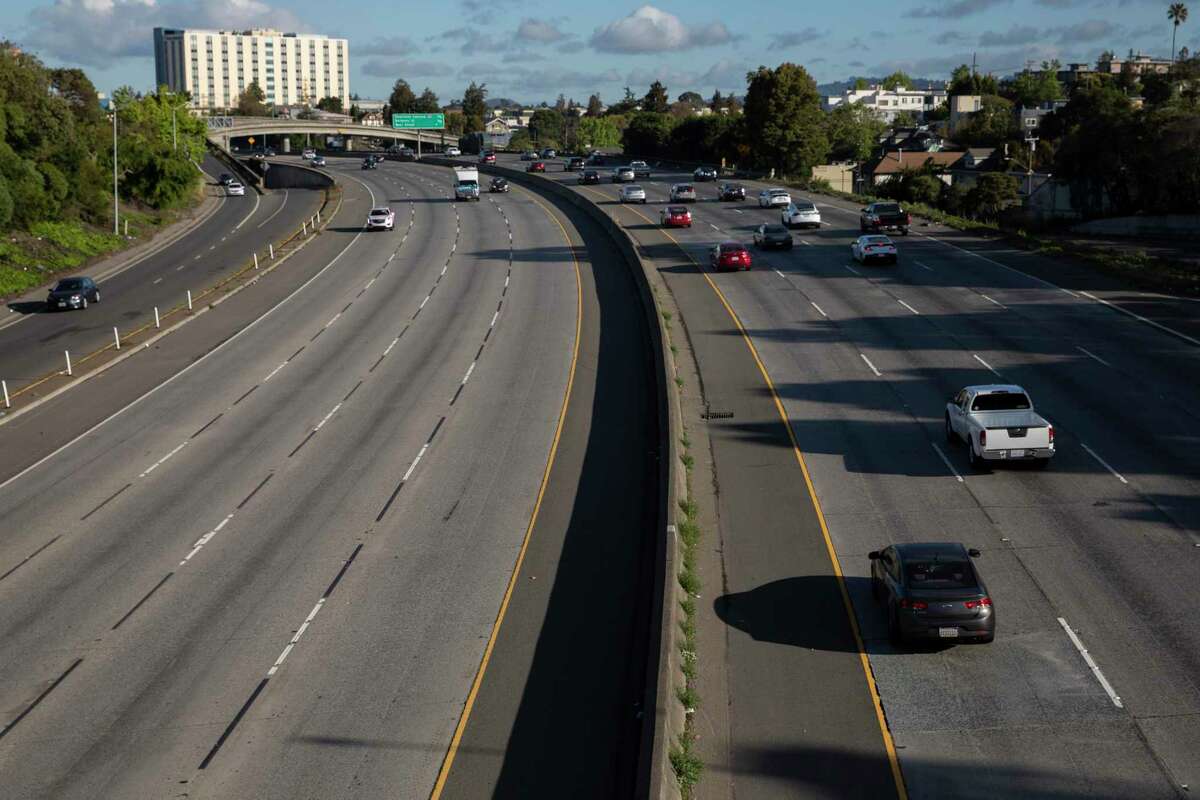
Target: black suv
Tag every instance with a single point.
(73, 293)
(589, 176)
(731, 191)
(574, 164)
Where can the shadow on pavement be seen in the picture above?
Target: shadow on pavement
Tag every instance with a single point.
(29, 307)
(805, 611)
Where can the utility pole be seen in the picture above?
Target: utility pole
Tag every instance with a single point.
(174, 130)
(116, 206)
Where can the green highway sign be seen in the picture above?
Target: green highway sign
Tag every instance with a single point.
(415, 121)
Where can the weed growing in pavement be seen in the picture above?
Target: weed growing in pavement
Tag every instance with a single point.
(688, 461)
(679, 382)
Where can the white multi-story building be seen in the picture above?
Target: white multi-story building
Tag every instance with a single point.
(889, 102)
(215, 67)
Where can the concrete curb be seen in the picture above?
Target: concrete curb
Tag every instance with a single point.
(7, 416)
(663, 718)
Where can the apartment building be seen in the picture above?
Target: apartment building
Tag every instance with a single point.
(889, 102)
(215, 67)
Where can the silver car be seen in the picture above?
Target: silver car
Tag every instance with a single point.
(235, 189)
(801, 214)
(683, 193)
(772, 198)
(623, 175)
(633, 194)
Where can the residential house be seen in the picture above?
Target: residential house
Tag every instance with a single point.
(1030, 119)
(962, 106)
(887, 166)
(974, 162)
(888, 103)
(911, 139)
(1138, 64)
(840, 176)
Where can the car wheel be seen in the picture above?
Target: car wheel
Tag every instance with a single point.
(975, 461)
(96, 298)
(82, 303)
(951, 437)
(904, 231)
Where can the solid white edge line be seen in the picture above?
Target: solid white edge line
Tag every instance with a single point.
(819, 309)
(990, 300)
(922, 266)
(906, 305)
(198, 361)
(1091, 662)
(1104, 463)
(251, 214)
(946, 461)
(989, 366)
(1140, 318)
(863, 356)
(780, 274)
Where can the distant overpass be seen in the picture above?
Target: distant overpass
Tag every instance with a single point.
(223, 129)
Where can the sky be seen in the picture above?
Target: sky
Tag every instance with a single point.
(531, 50)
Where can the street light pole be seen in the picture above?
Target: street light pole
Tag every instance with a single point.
(174, 131)
(116, 205)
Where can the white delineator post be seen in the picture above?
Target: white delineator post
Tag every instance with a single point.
(256, 260)
(189, 291)
(5, 385)
(67, 353)
(271, 247)
(116, 337)
(157, 322)
(303, 228)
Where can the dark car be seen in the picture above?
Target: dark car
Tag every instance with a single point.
(73, 293)
(498, 185)
(879, 217)
(370, 163)
(269, 152)
(731, 191)
(487, 158)
(589, 176)
(225, 179)
(729, 256)
(536, 166)
(574, 164)
(704, 174)
(772, 235)
(932, 591)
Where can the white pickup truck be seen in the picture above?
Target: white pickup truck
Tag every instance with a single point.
(998, 423)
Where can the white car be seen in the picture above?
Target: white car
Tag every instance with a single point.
(771, 198)
(874, 247)
(381, 218)
(235, 189)
(453, 151)
(623, 175)
(683, 193)
(633, 194)
(308, 154)
(640, 169)
(998, 423)
(801, 214)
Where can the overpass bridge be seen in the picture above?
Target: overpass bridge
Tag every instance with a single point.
(221, 130)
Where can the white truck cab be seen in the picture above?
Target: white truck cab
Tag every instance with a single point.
(998, 423)
(466, 183)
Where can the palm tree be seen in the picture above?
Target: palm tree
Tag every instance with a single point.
(1177, 13)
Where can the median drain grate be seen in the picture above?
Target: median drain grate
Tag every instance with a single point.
(710, 414)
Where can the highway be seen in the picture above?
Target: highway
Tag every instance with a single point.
(272, 558)
(32, 339)
(1093, 559)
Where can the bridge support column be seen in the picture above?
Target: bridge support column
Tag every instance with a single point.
(349, 143)
(285, 146)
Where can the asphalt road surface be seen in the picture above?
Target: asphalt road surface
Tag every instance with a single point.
(1099, 554)
(274, 575)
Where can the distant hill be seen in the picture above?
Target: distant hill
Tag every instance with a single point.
(501, 102)
(837, 87)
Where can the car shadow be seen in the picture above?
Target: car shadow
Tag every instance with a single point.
(29, 307)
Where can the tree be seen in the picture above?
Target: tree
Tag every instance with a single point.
(1031, 89)
(400, 101)
(904, 119)
(546, 125)
(693, 99)
(648, 133)
(853, 130)
(594, 107)
(656, 99)
(456, 123)
(250, 103)
(627, 105)
(427, 103)
(717, 103)
(474, 106)
(897, 79)
(992, 192)
(964, 81)
(331, 104)
(1178, 14)
(599, 132)
(860, 84)
(991, 126)
(708, 139)
(784, 121)
(521, 140)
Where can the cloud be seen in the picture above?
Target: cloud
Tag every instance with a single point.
(725, 74)
(950, 37)
(405, 68)
(98, 33)
(474, 40)
(521, 57)
(955, 10)
(388, 46)
(1016, 35)
(1091, 30)
(780, 41)
(650, 30)
(484, 12)
(536, 30)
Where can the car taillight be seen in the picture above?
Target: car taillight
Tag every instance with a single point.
(908, 219)
(1050, 430)
(985, 602)
(983, 438)
(916, 605)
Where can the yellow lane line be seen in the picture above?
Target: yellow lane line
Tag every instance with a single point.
(448, 761)
(888, 744)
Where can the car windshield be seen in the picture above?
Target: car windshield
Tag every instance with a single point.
(937, 573)
(887, 208)
(70, 284)
(1001, 401)
(381, 211)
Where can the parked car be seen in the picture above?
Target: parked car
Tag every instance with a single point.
(225, 179)
(731, 191)
(623, 175)
(675, 217)
(529, 155)
(573, 164)
(640, 169)
(772, 198)
(801, 214)
(498, 185)
(453, 151)
(998, 423)
(382, 218)
(770, 235)
(536, 166)
(487, 158)
(308, 153)
(884, 217)
(932, 591)
(683, 193)
(874, 247)
(318, 161)
(235, 189)
(589, 176)
(729, 256)
(73, 293)
(704, 174)
(633, 194)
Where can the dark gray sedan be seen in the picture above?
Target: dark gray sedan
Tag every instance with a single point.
(769, 235)
(73, 293)
(932, 592)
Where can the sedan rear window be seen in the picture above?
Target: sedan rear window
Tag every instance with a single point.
(954, 574)
(732, 248)
(379, 211)
(774, 229)
(805, 207)
(685, 187)
(887, 208)
(1001, 401)
(676, 210)
(778, 193)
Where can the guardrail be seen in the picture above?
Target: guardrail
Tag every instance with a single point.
(663, 719)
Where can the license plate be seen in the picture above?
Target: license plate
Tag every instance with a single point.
(948, 633)
(1016, 453)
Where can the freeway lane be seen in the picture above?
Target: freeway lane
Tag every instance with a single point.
(863, 359)
(333, 513)
(218, 246)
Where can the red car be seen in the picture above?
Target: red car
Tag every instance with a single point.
(487, 158)
(675, 217)
(729, 256)
(536, 166)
